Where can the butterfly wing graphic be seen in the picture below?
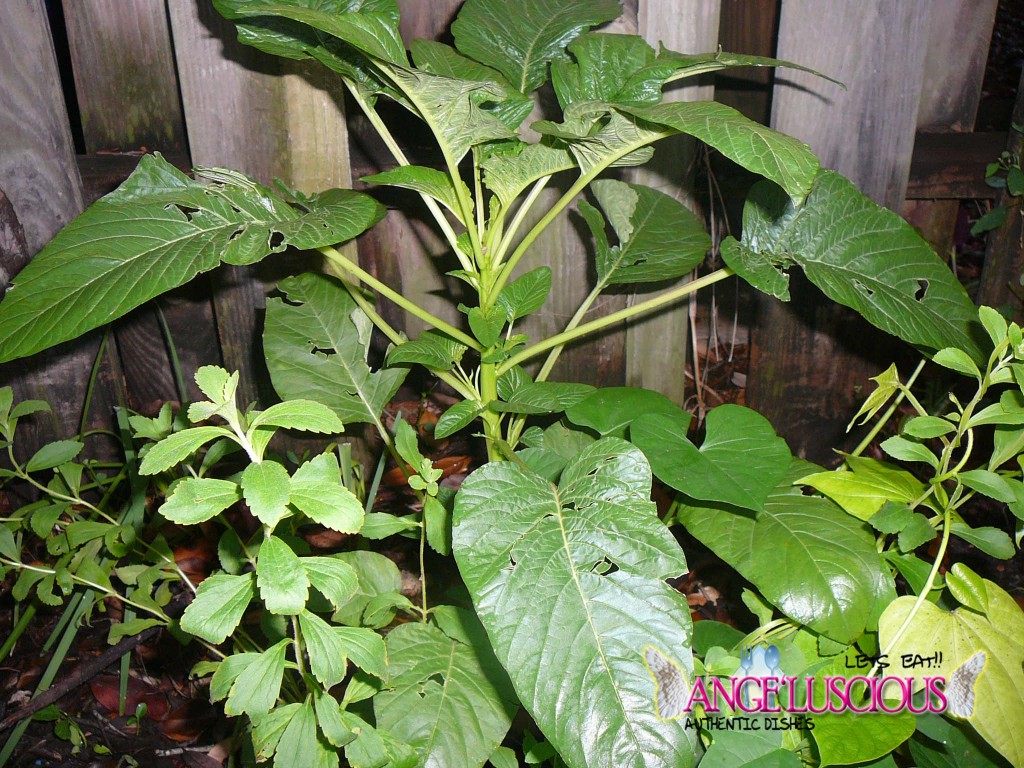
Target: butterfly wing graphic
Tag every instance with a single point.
(960, 688)
(672, 690)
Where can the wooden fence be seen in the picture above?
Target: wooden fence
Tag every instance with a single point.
(169, 76)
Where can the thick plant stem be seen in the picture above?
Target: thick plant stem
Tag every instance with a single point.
(492, 421)
(623, 314)
(517, 220)
(339, 260)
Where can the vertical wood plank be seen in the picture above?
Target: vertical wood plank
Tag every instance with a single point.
(40, 179)
(656, 346)
(748, 26)
(959, 37)
(810, 360)
(127, 91)
(271, 119)
(124, 75)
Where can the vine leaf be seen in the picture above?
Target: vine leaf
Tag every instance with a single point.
(579, 569)
(807, 556)
(316, 345)
(155, 232)
(451, 701)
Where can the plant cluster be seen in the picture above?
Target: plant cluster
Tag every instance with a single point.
(564, 558)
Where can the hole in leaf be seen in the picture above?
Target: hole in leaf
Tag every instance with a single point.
(863, 288)
(922, 289)
(276, 238)
(188, 210)
(604, 567)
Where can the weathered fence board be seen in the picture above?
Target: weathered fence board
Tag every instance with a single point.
(39, 177)
(688, 27)
(1004, 254)
(810, 360)
(959, 36)
(128, 98)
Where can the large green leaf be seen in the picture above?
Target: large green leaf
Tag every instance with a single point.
(316, 345)
(749, 749)
(507, 174)
(197, 499)
(317, 490)
(155, 232)
(867, 258)
(618, 69)
(783, 159)
(571, 578)
(610, 411)
(520, 38)
(454, 109)
(451, 701)
(958, 635)
(218, 606)
(816, 563)
(430, 181)
(740, 462)
(441, 59)
(659, 237)
(371, 26)
(854, 737)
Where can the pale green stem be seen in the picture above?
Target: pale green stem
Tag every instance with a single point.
(516, 427)
(297, 645)
(399, 155)
(338, 259)
(517, 220)
(623, 314)
(929, 583)
(862, 446)
(86, 583)
(393, 336)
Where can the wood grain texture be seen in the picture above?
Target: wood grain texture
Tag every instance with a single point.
(271, 119)
(656, 346)
(958, 42)
(748, 26)
(124, 75)
(128, 98)
(810, 360)
(40, 180)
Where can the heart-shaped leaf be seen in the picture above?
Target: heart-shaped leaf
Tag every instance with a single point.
(740, 461)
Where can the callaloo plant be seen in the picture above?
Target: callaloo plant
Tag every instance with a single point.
(557, 540)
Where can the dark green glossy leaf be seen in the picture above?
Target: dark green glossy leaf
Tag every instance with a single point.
(527, 293)
(370, 26)
(155, 232)
(433, 349)
(610, 411)
(54, 454)
(455, 418)
(543, 397)
(659, 237)
(867, 258)
(617, 69)
(579, 569)
(833, 579)
(740, 461)
(440, 59)
(430, 181)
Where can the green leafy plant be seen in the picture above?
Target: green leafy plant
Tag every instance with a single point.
(557, 540)
(1004, 173)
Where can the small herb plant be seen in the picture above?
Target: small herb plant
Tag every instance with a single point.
(557, 540)
(1003, 173)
